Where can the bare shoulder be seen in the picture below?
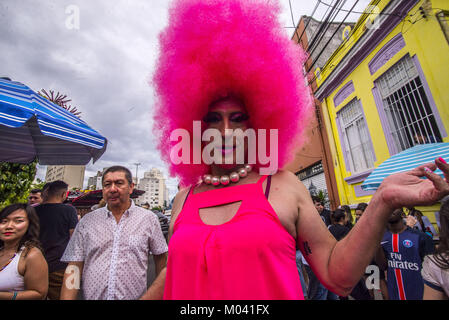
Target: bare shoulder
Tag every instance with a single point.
(32, 259)
(292, 190)
(178, 203)
(33, 255)
(179, 200)
(289, 182)
(286, 176)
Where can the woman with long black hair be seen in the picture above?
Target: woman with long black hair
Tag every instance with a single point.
(23, 269)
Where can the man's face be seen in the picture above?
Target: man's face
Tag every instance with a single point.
(319, 206)
(116, 189)
(358, 214)
(34, 199)
(419, 139)
(228, 115)
(396, 216)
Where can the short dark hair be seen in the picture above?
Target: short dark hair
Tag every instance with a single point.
(55, 188)
(127, 172)
(362, 206)
(316, 199)
(36, 191)
(338, 215)
(31, 237)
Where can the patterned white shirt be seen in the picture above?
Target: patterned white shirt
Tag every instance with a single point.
(115, 255)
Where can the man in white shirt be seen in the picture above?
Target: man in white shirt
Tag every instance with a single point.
(110, 246)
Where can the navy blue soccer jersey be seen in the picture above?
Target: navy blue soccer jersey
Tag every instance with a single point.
(405, 252)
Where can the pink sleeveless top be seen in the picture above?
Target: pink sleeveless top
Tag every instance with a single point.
(250, 257)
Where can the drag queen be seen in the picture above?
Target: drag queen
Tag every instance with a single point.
(227, 66)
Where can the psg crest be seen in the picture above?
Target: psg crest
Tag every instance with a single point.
(407, 243)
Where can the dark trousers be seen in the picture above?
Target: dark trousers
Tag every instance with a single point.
(54, 284)
(359, 292)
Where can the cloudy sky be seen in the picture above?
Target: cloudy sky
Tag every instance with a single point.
(101, 53)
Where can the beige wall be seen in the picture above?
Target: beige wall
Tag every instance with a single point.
(72, 175)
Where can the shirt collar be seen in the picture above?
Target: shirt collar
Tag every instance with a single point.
(127, 213)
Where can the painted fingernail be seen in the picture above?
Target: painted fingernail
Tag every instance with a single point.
(427, 170)
(442, 160)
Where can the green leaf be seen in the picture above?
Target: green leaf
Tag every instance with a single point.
(15, 182)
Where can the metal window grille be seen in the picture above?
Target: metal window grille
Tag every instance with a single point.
(358, 145)
(410, 117)
(311, 171)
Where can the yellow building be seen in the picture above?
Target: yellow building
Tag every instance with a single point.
(386, 83)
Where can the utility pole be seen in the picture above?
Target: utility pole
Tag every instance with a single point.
(137, 167)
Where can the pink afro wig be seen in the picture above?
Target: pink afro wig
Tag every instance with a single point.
(215, 48)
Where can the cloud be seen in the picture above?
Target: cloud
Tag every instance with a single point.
(103, 66)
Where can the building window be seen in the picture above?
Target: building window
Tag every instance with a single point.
(409, 114)
(357, 142)
(311, 171)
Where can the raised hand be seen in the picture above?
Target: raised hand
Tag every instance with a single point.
(408, 189)
(411, 221)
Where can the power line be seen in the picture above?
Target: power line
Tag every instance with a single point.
(358, 12)
(137, 164)
(352, 39)
(333, 35)
(307, 24)
(349, 39)
(317, 30)
(325, 30)
(293, 20)
(317, 35)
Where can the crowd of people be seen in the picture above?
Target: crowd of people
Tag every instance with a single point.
(43, 240)
(410, 264)
(43, 246)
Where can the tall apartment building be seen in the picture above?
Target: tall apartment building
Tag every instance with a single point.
(94, 182)
(156, 193)
(72, 175)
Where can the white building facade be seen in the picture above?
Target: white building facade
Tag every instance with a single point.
(156, 192)
(72, 175)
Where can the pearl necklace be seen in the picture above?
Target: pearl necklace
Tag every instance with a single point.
(227, 179)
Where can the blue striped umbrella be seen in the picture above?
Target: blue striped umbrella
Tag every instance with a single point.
(32, 126)
(407, 160)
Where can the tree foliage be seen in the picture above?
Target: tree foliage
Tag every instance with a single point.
(38, 184)
(15, 182)
(323, 196)
(157, 208)
(61, 100)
